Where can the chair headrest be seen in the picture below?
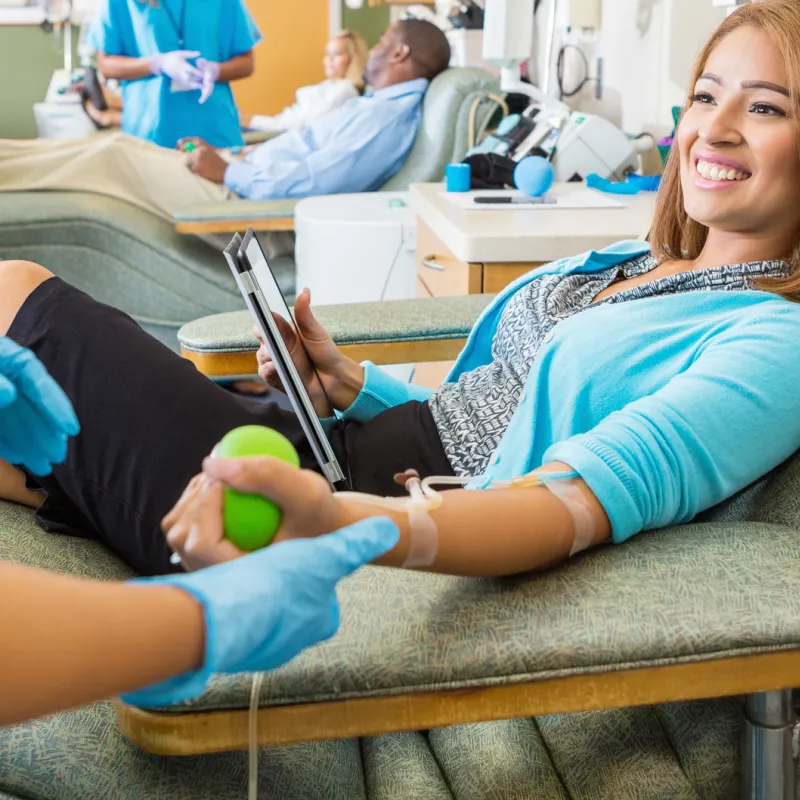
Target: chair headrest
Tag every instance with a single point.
(443, 134)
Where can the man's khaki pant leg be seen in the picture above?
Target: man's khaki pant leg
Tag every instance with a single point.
(112, 164)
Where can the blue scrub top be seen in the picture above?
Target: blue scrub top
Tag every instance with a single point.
(219, 29)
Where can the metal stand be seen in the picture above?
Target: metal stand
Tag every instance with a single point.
(768, 770)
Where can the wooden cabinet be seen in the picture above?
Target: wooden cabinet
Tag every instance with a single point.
(290, 56)
(440, 272)
(444, 275)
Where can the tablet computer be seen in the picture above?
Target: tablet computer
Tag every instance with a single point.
(264, 298)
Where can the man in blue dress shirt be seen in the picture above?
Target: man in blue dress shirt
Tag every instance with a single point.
(355, 148)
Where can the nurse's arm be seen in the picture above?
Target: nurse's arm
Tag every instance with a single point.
(123, 68)
(68, 641)
(238, 67)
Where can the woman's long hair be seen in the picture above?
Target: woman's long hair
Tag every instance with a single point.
(358, 50)
(674, 234)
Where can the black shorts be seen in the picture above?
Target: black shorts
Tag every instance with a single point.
(148, 418)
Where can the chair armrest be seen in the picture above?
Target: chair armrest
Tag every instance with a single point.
(236, 215)
(387, 332)
(696, 611)
(257, 137)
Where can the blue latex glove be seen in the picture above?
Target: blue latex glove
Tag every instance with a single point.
(36, 418)
(210, 75)
(175, 65)
(263, 609)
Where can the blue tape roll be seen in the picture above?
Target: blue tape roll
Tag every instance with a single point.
(458, 177)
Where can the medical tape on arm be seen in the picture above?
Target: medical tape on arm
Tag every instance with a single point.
(423, 499)
(564, 486)
(423, 535)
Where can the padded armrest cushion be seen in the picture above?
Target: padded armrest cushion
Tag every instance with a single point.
(237, 210)
(349, 324)
(693, 593)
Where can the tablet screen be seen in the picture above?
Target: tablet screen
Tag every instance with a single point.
(269, 287)
(266, 280)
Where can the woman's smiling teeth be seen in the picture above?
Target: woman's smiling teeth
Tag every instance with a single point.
(718, 172)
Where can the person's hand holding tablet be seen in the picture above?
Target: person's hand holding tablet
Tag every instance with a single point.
(342, 378)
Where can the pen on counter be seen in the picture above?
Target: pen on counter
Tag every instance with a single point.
(547, 200)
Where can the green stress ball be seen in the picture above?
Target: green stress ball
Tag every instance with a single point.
(250, 520)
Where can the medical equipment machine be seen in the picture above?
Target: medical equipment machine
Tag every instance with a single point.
(586, 144)
(577, 144)
(62, 113)
(731, 5)
(508, 43)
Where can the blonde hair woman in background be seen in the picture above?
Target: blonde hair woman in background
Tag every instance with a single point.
(344, 62)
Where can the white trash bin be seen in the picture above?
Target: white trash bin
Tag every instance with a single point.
(356, 248)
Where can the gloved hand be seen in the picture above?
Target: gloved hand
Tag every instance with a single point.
(36, 418)
(175, 65)
(263, 609)
(210, 71)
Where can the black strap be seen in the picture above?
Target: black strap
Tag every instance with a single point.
(172, 21)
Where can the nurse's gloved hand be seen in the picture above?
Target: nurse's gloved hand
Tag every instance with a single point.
(263, 609)
(36, 418)
(210, 70)
(175, 65)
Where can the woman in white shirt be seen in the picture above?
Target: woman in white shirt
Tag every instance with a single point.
(344, 61)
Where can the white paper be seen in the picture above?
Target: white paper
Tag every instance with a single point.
(575, 199)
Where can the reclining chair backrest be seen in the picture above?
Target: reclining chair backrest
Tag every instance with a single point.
(775, 498)
(444, 132)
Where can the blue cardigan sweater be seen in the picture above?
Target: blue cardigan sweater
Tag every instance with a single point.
(665, 406)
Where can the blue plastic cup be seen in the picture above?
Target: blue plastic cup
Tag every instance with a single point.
(458, 177)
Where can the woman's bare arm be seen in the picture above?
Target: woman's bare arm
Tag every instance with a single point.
(486, 532)
(496, 531)
(68, 641)
(237, 67)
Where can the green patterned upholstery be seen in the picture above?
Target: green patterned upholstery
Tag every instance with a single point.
(443, 137)
(123, 256)
(681, 751)
(350, 323)
(24, 542)
(665, 598)
(666, 752)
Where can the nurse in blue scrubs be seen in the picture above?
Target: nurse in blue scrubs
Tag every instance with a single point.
(175, 60)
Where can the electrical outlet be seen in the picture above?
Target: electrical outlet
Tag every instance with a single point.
(585, 14)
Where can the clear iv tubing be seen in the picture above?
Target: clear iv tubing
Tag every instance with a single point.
(252, 731)
(421, 493)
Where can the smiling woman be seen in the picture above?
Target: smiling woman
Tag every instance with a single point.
(732, 180)
(622, 371)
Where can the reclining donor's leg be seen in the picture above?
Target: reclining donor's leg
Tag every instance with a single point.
(17, 281)
(12, 487)
(148, 417)
(113, 164)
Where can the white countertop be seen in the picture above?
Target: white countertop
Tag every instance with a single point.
(529, 235)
